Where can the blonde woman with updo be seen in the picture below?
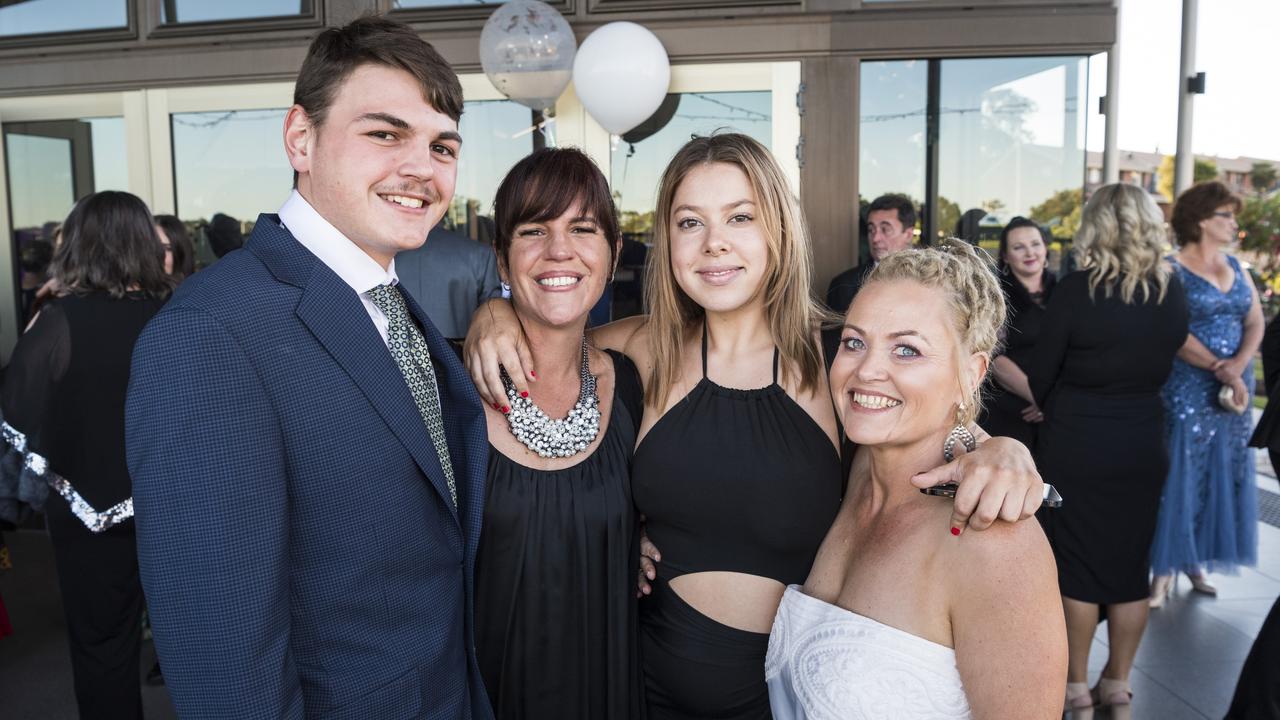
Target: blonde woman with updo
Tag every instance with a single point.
(1106, 347)
(893, 622)
(738, 466)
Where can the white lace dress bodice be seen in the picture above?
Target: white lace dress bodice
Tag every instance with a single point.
(828, 663)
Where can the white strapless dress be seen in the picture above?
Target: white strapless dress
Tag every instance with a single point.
(828, 663)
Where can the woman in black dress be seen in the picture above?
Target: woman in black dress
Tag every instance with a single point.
(1106, 347)
(1011, 411)
(63, 403)
(555, 613)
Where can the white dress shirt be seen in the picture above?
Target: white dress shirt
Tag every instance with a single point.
(352, 264)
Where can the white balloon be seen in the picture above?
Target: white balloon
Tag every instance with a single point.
(621, 75)
(527, 49)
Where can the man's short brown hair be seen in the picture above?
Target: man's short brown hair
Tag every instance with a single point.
(337, 52)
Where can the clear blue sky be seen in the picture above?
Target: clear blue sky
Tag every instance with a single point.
(1236, 48)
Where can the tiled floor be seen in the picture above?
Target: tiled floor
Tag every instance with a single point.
(1186, 668)
(1195, 645)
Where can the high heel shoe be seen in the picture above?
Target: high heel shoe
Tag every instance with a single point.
(1161, 586)
(1111, 692)
(1201, 584)
(1079, 696)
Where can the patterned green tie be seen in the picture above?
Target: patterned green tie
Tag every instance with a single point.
(409, 349)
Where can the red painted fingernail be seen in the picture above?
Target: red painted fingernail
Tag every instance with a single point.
(524, 393)
(506, 410)
(955, 531)
(533, 375)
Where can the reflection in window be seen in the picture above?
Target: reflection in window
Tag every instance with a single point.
(230, 164)
(51, 164)
(1011, 142)
(56, 16)
(893, 96)
(496, 134)
(190, 11)
(642, 154)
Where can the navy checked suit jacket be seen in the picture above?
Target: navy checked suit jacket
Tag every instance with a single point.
(298, 548)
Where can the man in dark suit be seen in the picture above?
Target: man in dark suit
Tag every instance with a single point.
(307, 453)
(449, 276)
(891, 226)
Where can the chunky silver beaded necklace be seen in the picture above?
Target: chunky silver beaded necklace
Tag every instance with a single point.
(556, 438)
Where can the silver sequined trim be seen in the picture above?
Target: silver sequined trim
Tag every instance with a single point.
(39, 466)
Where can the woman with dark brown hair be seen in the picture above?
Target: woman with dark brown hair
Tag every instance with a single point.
(555, 614)
(179, 252)
(1011, 410)
(63, 401)
(1208, 512)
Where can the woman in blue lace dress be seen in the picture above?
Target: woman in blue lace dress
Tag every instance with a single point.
(1208, 512)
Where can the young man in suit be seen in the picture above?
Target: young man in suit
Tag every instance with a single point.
(307, 453)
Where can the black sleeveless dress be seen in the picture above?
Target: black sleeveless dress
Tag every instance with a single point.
(731, 480)
(555, 578)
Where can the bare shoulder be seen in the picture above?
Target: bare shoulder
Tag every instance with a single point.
(637, 345)
(1006, 555)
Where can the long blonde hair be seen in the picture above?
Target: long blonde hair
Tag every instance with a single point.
(1121, 242)
(793, 313)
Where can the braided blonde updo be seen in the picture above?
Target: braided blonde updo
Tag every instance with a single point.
(967, 276)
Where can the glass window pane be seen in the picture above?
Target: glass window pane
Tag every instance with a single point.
(637, 166)
(406, 4)
(891, 134)
(50, 164)
(641, 155)
(51, 16)
(231, 163)
(189, 11)
(496, 134)
(1011, 142)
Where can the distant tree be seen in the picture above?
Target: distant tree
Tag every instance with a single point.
(948, 215)
(1204, 170)
(993, 206)
(1263, 176)
(1060, 213)
(1259, 221)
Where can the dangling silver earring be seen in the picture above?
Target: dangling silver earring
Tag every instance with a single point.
(960, 434)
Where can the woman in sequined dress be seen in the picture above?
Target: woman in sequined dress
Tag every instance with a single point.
(1208, 513)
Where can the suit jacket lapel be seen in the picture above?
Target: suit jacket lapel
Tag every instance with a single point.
(333, 313)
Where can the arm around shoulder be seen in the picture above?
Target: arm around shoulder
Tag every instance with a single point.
(206, 456)
(1007, 622)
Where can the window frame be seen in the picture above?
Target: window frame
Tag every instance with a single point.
(158, 29)
(79, 37)
(462, 11)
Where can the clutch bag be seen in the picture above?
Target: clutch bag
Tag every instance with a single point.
(1226, 398)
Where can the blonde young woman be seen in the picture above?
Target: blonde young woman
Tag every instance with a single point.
(892, 623)
(1106, 347)
(737, 466)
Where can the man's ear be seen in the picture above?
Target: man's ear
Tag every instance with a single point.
(299, 139)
